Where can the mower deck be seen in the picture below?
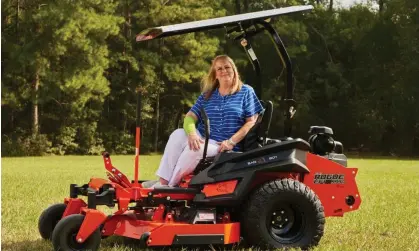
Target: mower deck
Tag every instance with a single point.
(156, 226)
(164, 233)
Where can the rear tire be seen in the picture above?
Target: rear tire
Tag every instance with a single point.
(283, 214)
(49, 219)
(64, 235)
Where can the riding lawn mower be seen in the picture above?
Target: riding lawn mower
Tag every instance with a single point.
(273, 193)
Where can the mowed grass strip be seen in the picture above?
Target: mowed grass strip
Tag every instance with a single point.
(387, 220)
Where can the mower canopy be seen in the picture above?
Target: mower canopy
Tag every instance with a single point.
(245, 20)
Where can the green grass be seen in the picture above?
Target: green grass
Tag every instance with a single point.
(387, 220)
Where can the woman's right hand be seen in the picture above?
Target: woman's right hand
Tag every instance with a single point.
(194, 142)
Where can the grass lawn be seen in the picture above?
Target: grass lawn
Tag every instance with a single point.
(388, 218)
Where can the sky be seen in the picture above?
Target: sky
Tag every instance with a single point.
(347, 3)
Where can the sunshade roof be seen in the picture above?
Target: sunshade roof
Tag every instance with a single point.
(214, 23)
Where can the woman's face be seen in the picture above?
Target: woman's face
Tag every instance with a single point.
(224, 71)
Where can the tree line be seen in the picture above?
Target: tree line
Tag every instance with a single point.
(70, 70)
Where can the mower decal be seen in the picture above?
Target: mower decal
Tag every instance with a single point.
(321, 178)
(262, 160)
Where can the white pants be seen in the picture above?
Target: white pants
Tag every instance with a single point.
(178, 160)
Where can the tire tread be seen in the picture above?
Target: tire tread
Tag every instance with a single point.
(259, 199)
(45, 226)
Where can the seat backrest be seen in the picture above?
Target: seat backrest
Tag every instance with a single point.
(256, 137)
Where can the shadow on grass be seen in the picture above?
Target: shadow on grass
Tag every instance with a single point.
(128, 244)
(120, 243)
(29, 245)
(112, 243)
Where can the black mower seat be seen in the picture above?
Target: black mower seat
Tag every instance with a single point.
(256, 137)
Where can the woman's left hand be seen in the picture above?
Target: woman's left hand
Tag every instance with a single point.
(224, 146)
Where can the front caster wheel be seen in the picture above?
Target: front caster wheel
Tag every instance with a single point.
(64, 235)
(283, 214)
(49, 219)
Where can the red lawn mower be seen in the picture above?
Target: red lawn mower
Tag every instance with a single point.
(274, 193)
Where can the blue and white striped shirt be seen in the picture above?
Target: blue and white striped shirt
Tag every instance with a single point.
(227, 114)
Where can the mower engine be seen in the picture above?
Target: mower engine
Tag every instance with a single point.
(322, 144)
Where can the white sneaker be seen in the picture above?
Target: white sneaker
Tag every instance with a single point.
(149, 183)
(159, 185)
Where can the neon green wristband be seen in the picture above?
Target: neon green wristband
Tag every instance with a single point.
(189, 125)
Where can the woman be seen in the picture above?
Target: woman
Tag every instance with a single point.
(232, 108)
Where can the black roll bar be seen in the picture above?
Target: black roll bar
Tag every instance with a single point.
(256, 65)
(288, 100)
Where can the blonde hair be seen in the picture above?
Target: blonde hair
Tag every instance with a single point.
(210, 83)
